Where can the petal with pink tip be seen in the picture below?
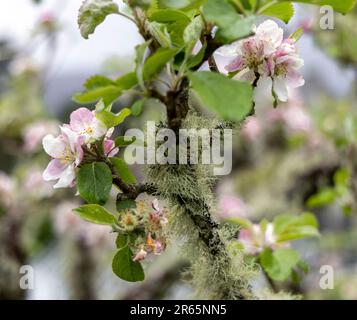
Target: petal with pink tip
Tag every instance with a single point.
(54, 170)
(109, 148)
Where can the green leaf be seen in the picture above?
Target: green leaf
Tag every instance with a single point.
(323, 198)
(231, 26)
(160, 33)
(197, 59)
(121, 241)
(111, 119)
(98, 81)
(92, 13)
(96, 214)
(342, 177)
(123, 141)
(107, 93)
(296, 35)
(140, 55)
(279, 264)
(125, 204)
(137, 107)
(342, 6)
(192, 33)
(289, 227)
(283, 11)
(100, 87)
(123, 170)
(230, 99)
(169, 15)
(127, 81)
(157, 61)
(125, 268)
(94, 182)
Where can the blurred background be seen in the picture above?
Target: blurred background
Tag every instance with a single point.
(299, 157)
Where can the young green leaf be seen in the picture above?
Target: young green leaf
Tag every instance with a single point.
(94, 181)
(160, 33)
(105, 89)
(108, 94)
(123, 170)
(92, 13)
(137, 107)
(96, 214)
(125, 268)
(123, 141)
(127, 81)
(157, 61)
(98, 81)
(169, 15)
(192, 33)
(110, 119)
(289, 227)
(279, 264)
(140, 55)
(230, 99)
(296, 35)
(231, 26)
(283, 11)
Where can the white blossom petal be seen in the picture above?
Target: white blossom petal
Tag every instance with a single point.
(66, 179)
(263, 92)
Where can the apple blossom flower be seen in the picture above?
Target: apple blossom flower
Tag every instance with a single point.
(268, 61)
(84, 123)
(67, 154)
(255, 238)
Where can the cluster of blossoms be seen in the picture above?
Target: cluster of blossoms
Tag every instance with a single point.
(74, 143)
(255, 238)
(145, 225)
(268, 61)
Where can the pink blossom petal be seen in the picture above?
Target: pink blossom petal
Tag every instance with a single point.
(109, 148)
(237, 64)
(80, 119)
(54, 170)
